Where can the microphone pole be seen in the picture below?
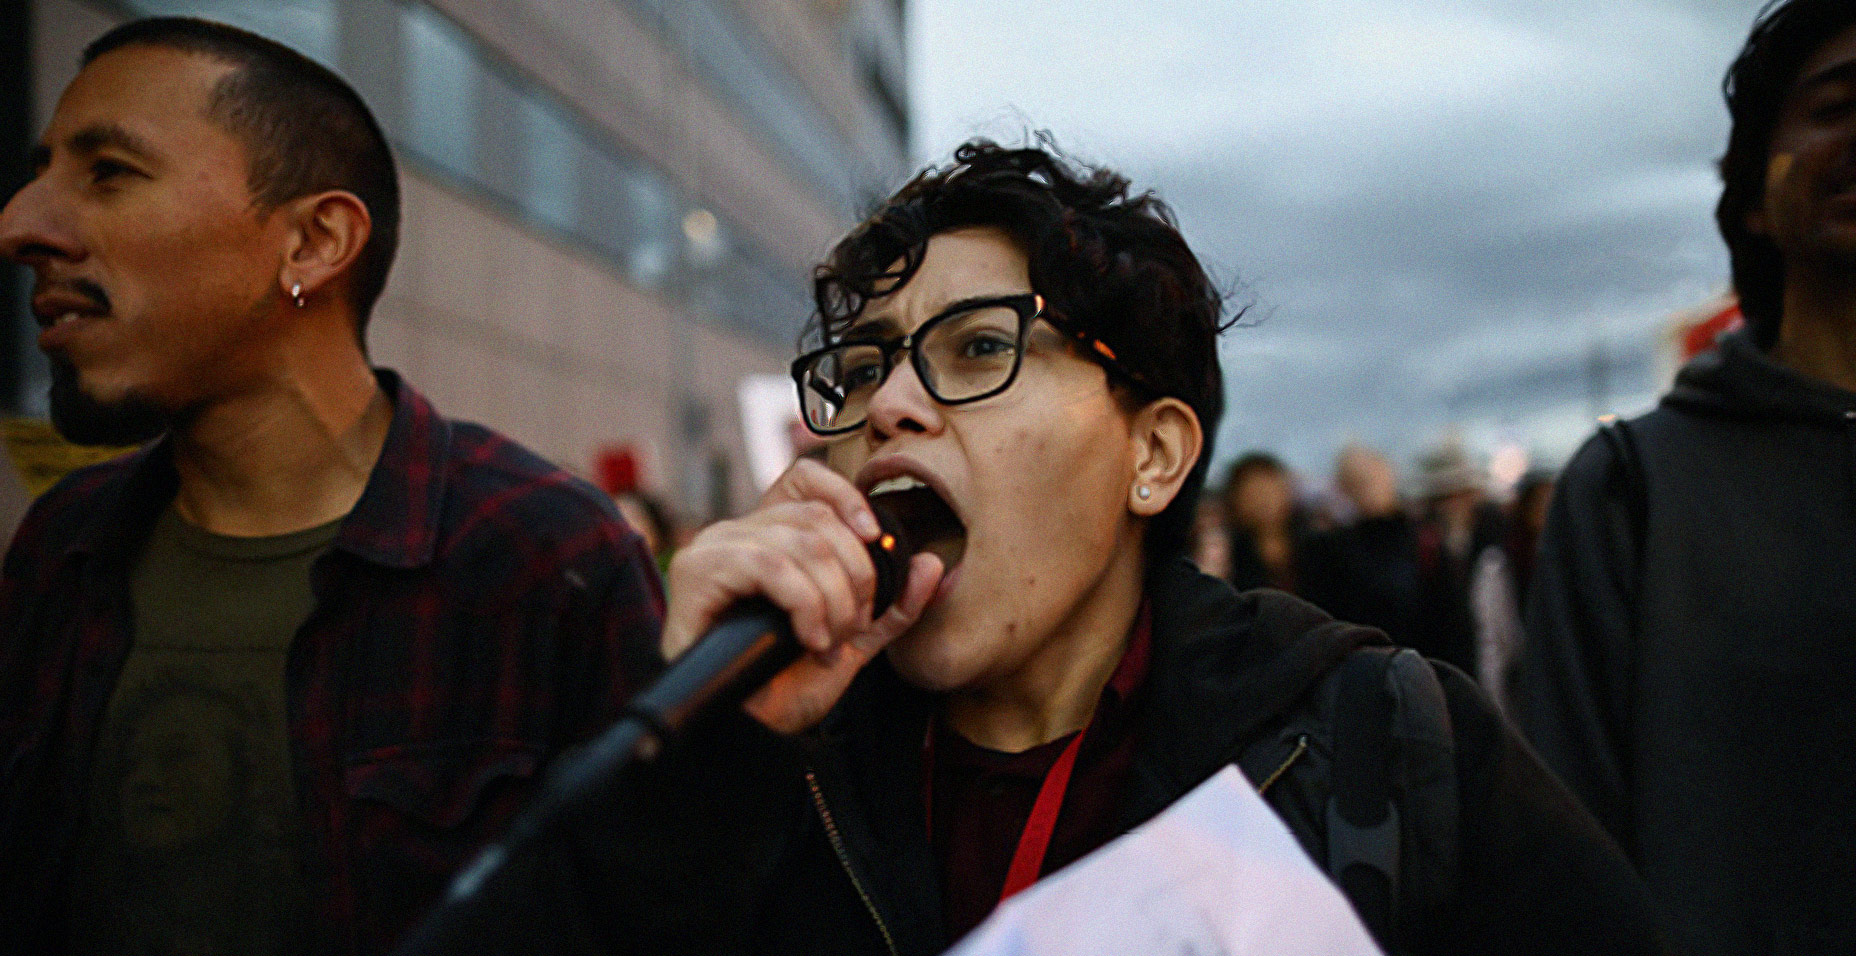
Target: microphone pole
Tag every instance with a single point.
(751, 643)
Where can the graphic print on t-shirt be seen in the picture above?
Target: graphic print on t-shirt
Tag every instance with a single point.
(193, 839)
(191, 849)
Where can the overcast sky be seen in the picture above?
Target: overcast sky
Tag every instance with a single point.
(1442, 210)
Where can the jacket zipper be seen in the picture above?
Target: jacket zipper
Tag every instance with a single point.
(844, 860)
(1301, 747)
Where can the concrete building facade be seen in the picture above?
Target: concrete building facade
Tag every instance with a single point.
(610, 206)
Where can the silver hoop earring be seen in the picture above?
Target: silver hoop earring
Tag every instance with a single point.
(1143, 492)
(296, 295)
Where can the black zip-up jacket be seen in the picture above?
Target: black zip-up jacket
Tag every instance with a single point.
(1691, 651)
(742, 841)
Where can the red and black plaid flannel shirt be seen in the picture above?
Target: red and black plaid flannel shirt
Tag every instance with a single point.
(480, 610)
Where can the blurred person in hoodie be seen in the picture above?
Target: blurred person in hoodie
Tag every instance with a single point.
(1690, 649)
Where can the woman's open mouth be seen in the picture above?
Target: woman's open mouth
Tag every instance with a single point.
(925, 521)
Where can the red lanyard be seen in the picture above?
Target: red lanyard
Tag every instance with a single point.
(1034, 843)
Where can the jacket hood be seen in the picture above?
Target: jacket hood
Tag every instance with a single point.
(1740, 380)
(1225, 665)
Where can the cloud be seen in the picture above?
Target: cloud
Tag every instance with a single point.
(1439, 205)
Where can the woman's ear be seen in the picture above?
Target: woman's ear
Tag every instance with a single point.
(1167, 444)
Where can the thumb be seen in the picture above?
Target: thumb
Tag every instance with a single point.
(925, 573)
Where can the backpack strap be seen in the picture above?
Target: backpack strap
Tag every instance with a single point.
(1362, 818)
(1623, 443)
(1392, 810)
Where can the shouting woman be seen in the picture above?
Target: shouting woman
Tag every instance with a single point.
(1025, 352)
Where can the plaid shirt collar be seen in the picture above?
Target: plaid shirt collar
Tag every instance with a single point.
(395, 523)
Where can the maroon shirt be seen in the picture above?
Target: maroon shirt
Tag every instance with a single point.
(982, 798)
(479, 611)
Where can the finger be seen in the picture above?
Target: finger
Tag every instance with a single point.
(925, 573)
(700, 587)
(835, 561)
(839, 552)
(729, 568)
(800, 696)
(809, 480)
(797, 592)
(827, 550)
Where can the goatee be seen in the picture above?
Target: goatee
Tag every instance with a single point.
(83, 420)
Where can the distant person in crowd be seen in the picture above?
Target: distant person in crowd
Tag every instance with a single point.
(651, 518)
(1499, 584)
(1211, 540)
(1023, 351)
(1691, 631)
(322, 639)
(1527, 521)
(1264, 522)
(1366, 570)
(1368, 482)
(1457, 527)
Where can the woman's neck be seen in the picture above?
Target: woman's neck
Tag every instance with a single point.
(1055, 691)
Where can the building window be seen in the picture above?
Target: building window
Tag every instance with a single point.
(441, 91)
(451, 105)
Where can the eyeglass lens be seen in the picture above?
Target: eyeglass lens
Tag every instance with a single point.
(962, 356)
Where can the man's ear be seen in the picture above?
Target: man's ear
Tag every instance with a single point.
(326, 233)
(1167, 444)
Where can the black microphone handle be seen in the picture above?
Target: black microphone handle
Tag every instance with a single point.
(754, 640)
(751, 643)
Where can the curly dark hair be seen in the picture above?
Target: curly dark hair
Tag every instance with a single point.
(1109, 261)
(1786, 34)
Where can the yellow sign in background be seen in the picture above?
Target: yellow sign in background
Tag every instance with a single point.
(42, 456)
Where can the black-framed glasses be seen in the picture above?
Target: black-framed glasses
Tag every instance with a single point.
(969, 352)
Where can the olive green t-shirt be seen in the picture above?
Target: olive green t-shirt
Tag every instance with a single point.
(192, 840)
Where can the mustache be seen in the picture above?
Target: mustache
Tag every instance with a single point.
(83, 288)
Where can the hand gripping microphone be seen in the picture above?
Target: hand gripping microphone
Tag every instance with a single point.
(754, 640)
(751, 643)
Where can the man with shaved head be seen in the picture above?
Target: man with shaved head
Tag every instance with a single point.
(266, 682)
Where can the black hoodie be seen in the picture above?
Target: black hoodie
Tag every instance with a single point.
(741, 841)
(1691, 648)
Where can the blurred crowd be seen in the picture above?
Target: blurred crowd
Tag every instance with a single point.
(1440, 561)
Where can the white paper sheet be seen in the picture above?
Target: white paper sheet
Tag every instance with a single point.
(1215, 874)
